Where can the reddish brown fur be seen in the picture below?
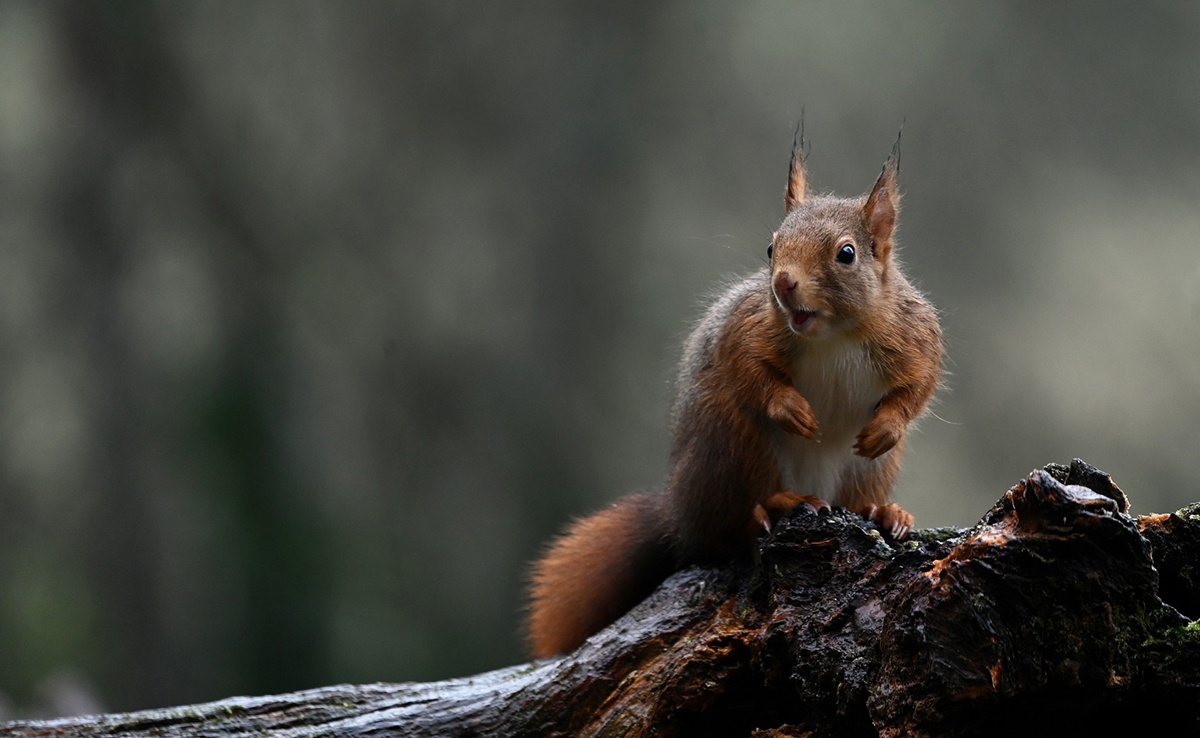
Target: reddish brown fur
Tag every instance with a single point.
(602, 566)
(737, 392)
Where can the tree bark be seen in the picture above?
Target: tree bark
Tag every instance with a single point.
(1058, 614)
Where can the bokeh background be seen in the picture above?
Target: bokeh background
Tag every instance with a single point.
(318, 319)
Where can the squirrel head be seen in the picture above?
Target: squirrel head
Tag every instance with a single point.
(831, 257)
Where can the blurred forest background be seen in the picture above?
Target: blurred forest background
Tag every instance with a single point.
(319, 319)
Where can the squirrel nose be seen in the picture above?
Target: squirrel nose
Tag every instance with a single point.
(784, 283)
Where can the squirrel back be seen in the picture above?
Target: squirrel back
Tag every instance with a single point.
(797, 386)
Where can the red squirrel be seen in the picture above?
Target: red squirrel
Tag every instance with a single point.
(796, 387)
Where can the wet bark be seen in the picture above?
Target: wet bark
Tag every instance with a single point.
(1058, 614)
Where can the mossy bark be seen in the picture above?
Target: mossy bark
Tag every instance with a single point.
(1058, 614)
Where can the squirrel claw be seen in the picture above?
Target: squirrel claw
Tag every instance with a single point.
(762, 518)
(891, 518)
(780, 502)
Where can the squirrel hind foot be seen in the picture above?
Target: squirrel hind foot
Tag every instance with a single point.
(781, 502)
(778, 505)
(891, 518)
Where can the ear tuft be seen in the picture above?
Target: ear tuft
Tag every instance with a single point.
(883, 206)
(797, 186)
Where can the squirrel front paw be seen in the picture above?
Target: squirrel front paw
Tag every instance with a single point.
(789, 408)
(880, 435)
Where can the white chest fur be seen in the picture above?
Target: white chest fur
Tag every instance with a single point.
(842, 385)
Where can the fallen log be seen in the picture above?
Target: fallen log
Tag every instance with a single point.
(1058, 614)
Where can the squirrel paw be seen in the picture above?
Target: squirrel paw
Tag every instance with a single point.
(879, 436)
(789, 408)
(892, 518)
(780, 502)
(762, 518)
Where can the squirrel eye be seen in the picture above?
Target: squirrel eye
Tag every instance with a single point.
(770, 249)
(845, 254)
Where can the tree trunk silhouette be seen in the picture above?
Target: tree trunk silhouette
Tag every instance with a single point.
(1058, 614)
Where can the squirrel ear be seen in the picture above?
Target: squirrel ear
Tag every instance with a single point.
(797, 186)
(883, 207)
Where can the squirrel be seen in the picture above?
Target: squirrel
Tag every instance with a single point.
(796, 387)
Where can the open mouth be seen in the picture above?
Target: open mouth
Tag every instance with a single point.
(802, 319)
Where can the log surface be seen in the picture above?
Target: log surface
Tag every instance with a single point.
(1058, 614)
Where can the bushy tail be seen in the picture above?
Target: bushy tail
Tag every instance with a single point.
(600, 568)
